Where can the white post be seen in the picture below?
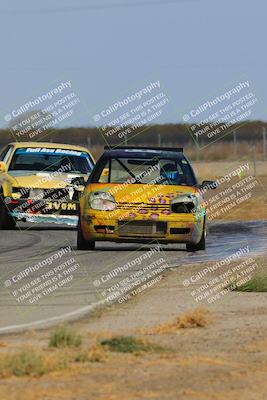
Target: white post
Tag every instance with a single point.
(264, 142)
(254, 160)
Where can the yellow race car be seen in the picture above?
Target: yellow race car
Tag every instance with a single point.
(143, 195)
(42, 182)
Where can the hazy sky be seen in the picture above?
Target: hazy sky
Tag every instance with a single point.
(194, 48)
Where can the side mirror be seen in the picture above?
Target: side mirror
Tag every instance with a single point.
(3, 167)
(206, 185)
(104, 175)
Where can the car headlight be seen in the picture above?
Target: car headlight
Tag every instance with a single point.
(103, 201)
(187, 203)
(36, 194)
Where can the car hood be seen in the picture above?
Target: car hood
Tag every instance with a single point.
(43, 180)
(140, 193)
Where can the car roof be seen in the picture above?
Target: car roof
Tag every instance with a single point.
(143, 152)
(49, 145)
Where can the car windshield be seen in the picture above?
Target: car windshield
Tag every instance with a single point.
(161, 171)
(51, 160)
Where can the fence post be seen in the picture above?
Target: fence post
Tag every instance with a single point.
(235, 149)
(197, 140)
(88, 142)
(159, 139)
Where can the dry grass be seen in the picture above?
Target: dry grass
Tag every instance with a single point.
(225, 151)
(194, 319)
(25, 363)
(198, 318)
(32, 363)
(29, 362)
(98, 353)
(62, 353)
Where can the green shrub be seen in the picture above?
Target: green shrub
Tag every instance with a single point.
(257, 284)
(128, 344)
(63, 336)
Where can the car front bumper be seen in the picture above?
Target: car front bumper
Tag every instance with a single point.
(43, 211)
(48, 218)
(174, 228)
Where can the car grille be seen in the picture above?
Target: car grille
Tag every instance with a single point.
(146, 228)
(145, 206)
(57, 194)
(62, 194)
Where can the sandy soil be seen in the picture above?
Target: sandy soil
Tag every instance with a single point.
(224, 360)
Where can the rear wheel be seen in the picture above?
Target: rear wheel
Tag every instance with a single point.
(201, 245)
(83, 244)
(6, 221)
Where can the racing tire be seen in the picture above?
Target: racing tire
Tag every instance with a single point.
(83, 244)
(201, 245)
(6, 221)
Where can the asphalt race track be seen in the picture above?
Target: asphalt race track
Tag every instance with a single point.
(44, 279)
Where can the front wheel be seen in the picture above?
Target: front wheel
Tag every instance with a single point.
(201, 245)
(6, 221)
(83, 244)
